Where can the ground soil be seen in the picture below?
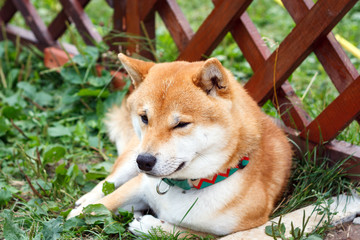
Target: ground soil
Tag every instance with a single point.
(346, 231)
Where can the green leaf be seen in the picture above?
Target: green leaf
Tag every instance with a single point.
(5, 196)
(12, 76)
(269, 230)
(29, 89)
(108, 187)
(15, 100)
(93, 141)
(61, 177)
(53, 228)
(72, 76)
(92, 53)
(100, 109)
(54, 154)
(125, 216)
(61, 169)
(113, 227)
(93, 175)
(314, 237)
(11, 112)
(43, 98)
(80, 60)
(88, 92)
(73, 223)
(282, 228)
(90, 56)
(3, 126)
(96, 214)
(115, 98)
(10, 228)
(99, 81)
(59, 131)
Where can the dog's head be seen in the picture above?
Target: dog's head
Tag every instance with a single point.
(183, 114)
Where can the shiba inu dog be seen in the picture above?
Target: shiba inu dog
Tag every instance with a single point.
(189, 136)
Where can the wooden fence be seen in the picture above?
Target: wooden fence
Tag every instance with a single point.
(312, 33)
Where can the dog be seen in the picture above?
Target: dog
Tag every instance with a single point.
(195, 148)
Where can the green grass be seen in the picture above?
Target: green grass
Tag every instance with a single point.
(53, 145)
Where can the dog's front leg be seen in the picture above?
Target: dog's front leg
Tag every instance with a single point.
(128, 196)
(121, 173)
(123, 170)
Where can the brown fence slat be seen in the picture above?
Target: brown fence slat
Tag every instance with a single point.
(7, 11)
(127, 17)
(213, 29)
(119, 15)
(291, 108)
(340, 112)
(26, 36)
(118, 26)
(132, 16)
(175, 22)
(58, 26)
(296, 46)
(149, 24)
(34, 21)
(250, 42)
(336, 63)
(146, 8)
(75, 11)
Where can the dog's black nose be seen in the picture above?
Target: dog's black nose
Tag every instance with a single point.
(146, 161)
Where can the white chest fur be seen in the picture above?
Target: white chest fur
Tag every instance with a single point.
(208, 213)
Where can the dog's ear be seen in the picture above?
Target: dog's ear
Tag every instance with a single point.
(212, 77)
(137, 69)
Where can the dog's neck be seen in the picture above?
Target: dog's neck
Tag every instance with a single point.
(201, 183)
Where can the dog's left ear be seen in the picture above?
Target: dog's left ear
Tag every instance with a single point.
(137, 69)
(212, 78)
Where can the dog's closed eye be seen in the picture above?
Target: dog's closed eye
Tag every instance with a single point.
(182, 125)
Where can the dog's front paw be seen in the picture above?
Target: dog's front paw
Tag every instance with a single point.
(145, 224)
(89, 198)
(75, 212)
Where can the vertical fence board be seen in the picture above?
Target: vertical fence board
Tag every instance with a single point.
(146, 8)
(149, 34)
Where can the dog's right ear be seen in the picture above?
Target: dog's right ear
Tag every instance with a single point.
(137, 69)
(212, 78)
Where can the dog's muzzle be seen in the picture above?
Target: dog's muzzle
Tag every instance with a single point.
(146, 162)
